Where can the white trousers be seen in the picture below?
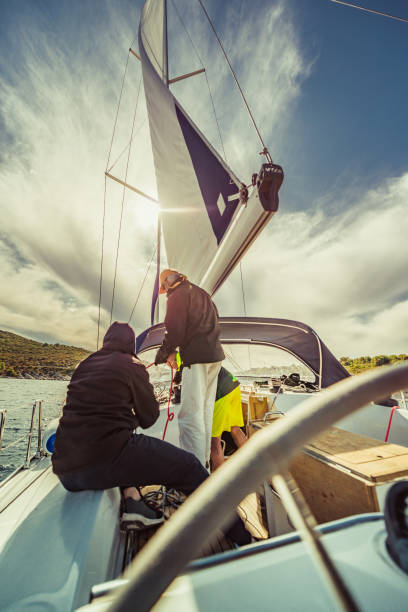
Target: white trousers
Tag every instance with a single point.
(198, 390)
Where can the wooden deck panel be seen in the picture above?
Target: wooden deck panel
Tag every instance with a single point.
(251, 514)
(366, 457)
(332, 493)
(338, 471)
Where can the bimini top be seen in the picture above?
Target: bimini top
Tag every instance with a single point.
(293, 337)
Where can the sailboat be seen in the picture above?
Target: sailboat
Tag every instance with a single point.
(61, 550)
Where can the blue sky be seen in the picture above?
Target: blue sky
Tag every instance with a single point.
(351, 116)
(328, 86)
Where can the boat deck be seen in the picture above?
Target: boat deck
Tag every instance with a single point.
(249, 510)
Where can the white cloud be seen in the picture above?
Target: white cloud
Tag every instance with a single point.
(265, 54)
(59, 104)
(343, 275)
(59, 112)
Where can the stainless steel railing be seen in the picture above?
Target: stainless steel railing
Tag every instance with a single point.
(2, 423)
(28, 437)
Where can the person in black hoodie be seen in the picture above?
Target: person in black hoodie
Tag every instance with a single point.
(192, 327)
(108, 397)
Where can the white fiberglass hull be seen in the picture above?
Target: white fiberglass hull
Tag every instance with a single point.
(279, 575)
(54, 545)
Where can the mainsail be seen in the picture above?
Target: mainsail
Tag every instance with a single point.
(208, 220)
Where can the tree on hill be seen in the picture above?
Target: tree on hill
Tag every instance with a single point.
(361, 364)
(22, 357)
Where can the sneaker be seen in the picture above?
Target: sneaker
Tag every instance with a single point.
(139, 512)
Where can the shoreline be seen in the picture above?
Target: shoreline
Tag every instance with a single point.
(27, 376)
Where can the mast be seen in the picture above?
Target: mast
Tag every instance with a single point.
(165, 78)
(165, 47)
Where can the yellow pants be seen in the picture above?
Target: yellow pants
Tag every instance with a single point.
(227, 413)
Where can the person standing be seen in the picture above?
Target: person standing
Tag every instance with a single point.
(192, 327)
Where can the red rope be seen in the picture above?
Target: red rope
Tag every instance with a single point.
(389, 423)
(170, 415)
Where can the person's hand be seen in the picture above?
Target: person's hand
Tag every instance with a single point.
(172, 360)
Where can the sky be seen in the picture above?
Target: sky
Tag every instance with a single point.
(328, 87)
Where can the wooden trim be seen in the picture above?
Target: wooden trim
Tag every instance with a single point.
(114, 178)
(186, 76)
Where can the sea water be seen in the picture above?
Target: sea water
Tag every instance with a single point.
(17, 397)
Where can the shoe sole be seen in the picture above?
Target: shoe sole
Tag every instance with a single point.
(139, 518)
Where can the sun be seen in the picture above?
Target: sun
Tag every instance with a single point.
(145, 213)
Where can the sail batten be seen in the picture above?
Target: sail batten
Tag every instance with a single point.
(207, 219)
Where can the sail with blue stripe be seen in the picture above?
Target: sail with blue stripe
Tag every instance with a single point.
(207, 219)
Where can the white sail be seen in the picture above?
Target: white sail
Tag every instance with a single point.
(206, 225)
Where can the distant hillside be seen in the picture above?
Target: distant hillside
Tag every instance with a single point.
(24, 358)
(361, 364)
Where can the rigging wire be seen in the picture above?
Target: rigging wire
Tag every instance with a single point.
(242, 289)
(104, 198)
(123, 200)
(245, 310)
(368, 10)
(118, 107)
(265, 150)
(128, 145)
(142, 285)
(232, 359)
(206, 78)
(215, 115)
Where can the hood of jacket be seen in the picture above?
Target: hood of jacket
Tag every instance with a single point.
(120, 337)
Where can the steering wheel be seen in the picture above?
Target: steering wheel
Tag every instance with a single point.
(266, 454)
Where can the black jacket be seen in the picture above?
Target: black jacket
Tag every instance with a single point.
(191, 326)
(108, 397)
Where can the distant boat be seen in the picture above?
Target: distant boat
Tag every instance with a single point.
(59, 550)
